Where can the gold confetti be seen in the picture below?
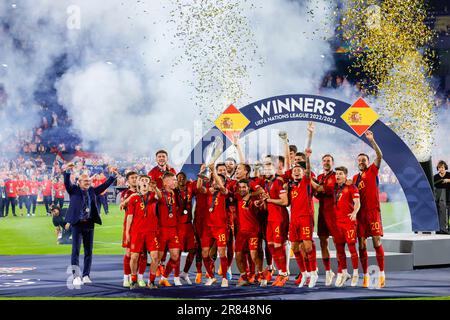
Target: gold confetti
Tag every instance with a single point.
(389, 41)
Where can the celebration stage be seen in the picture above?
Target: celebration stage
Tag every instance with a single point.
(406, 257)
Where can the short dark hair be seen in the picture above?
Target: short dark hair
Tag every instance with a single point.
(442, 163)
(243, 181)
(231, 159)
(162, 151)
(182, 174)
(55, 207)
(327, 155)
(220, 164)
(168, 174)
(300, 154)
(246, 166)
(365, 155)
(342, 168)
(145, 176)
(293, 148)
(281, 159)
(129, 174)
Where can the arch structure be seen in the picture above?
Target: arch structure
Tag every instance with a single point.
(302, 107)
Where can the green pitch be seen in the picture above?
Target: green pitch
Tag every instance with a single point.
(36, 235)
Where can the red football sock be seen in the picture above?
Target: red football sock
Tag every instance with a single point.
(224, 265)
(176, 267)
(198, 266)
(380, 257)
(354, 255)
(230, 254)
(306, 262)
(252, 266)
(300, 261)
(279, 256)
(126, 265)
(189, 261)
(168, 268)
(152, 277)
(326, 264)
(312, 258)
(142, 263)
(342, 259)
(134, 277)
(207, 262)
(364, 259)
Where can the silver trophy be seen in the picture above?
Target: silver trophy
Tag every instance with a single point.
(212, 153)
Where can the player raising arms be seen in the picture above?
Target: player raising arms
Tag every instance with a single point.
(142, 228)
(168, 222)
(347, 205)
(302, 221)
(369, 218)
(247, 231)
(184, 193)
(216, 222)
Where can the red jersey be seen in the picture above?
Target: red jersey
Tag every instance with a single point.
(185, 203)
(326, 198)
(47, 188)
(368, 188)
(33, 186)
(143, 210)
(124, 195)
(168, 210)
(300, 196)
(22, 187)
(247, 212)
(344, 201)
(156, 175)
(59, 190)
(275, 188)
(11, 188)
(216, 209)
(201, 203)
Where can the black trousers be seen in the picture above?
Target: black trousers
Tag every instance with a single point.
(82, 231)
(2, 206)
(59, 202)
(24, 200)
(47, 203)
(33, 203)
(103, 201)
(10, 201)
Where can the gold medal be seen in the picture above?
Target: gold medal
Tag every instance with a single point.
(170, 215)
(211, 209)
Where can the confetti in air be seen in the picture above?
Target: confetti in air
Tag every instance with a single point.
(389, 41)
(218, 42)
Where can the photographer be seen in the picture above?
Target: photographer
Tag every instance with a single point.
(58, 218)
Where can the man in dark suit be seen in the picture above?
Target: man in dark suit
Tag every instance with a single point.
(82, 214)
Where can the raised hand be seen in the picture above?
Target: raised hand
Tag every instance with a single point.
(369, 135)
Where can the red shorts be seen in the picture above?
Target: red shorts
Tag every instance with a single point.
(369, 223)
(345, 232)
(168, 238)
(186, 236)
(326, 226)
(144, 241)
(302, 229)
(246, 240)
(277, 231)
(217, 234)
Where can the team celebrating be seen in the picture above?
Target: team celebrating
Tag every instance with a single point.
(230, 213)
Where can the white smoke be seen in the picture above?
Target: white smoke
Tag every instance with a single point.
(121, 88)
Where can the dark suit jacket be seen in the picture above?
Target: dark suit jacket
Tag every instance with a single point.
(76, 200)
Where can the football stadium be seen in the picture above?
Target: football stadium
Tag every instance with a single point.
(224, 150)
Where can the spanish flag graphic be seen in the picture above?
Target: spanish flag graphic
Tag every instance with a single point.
(231, 122)
(360, 117)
